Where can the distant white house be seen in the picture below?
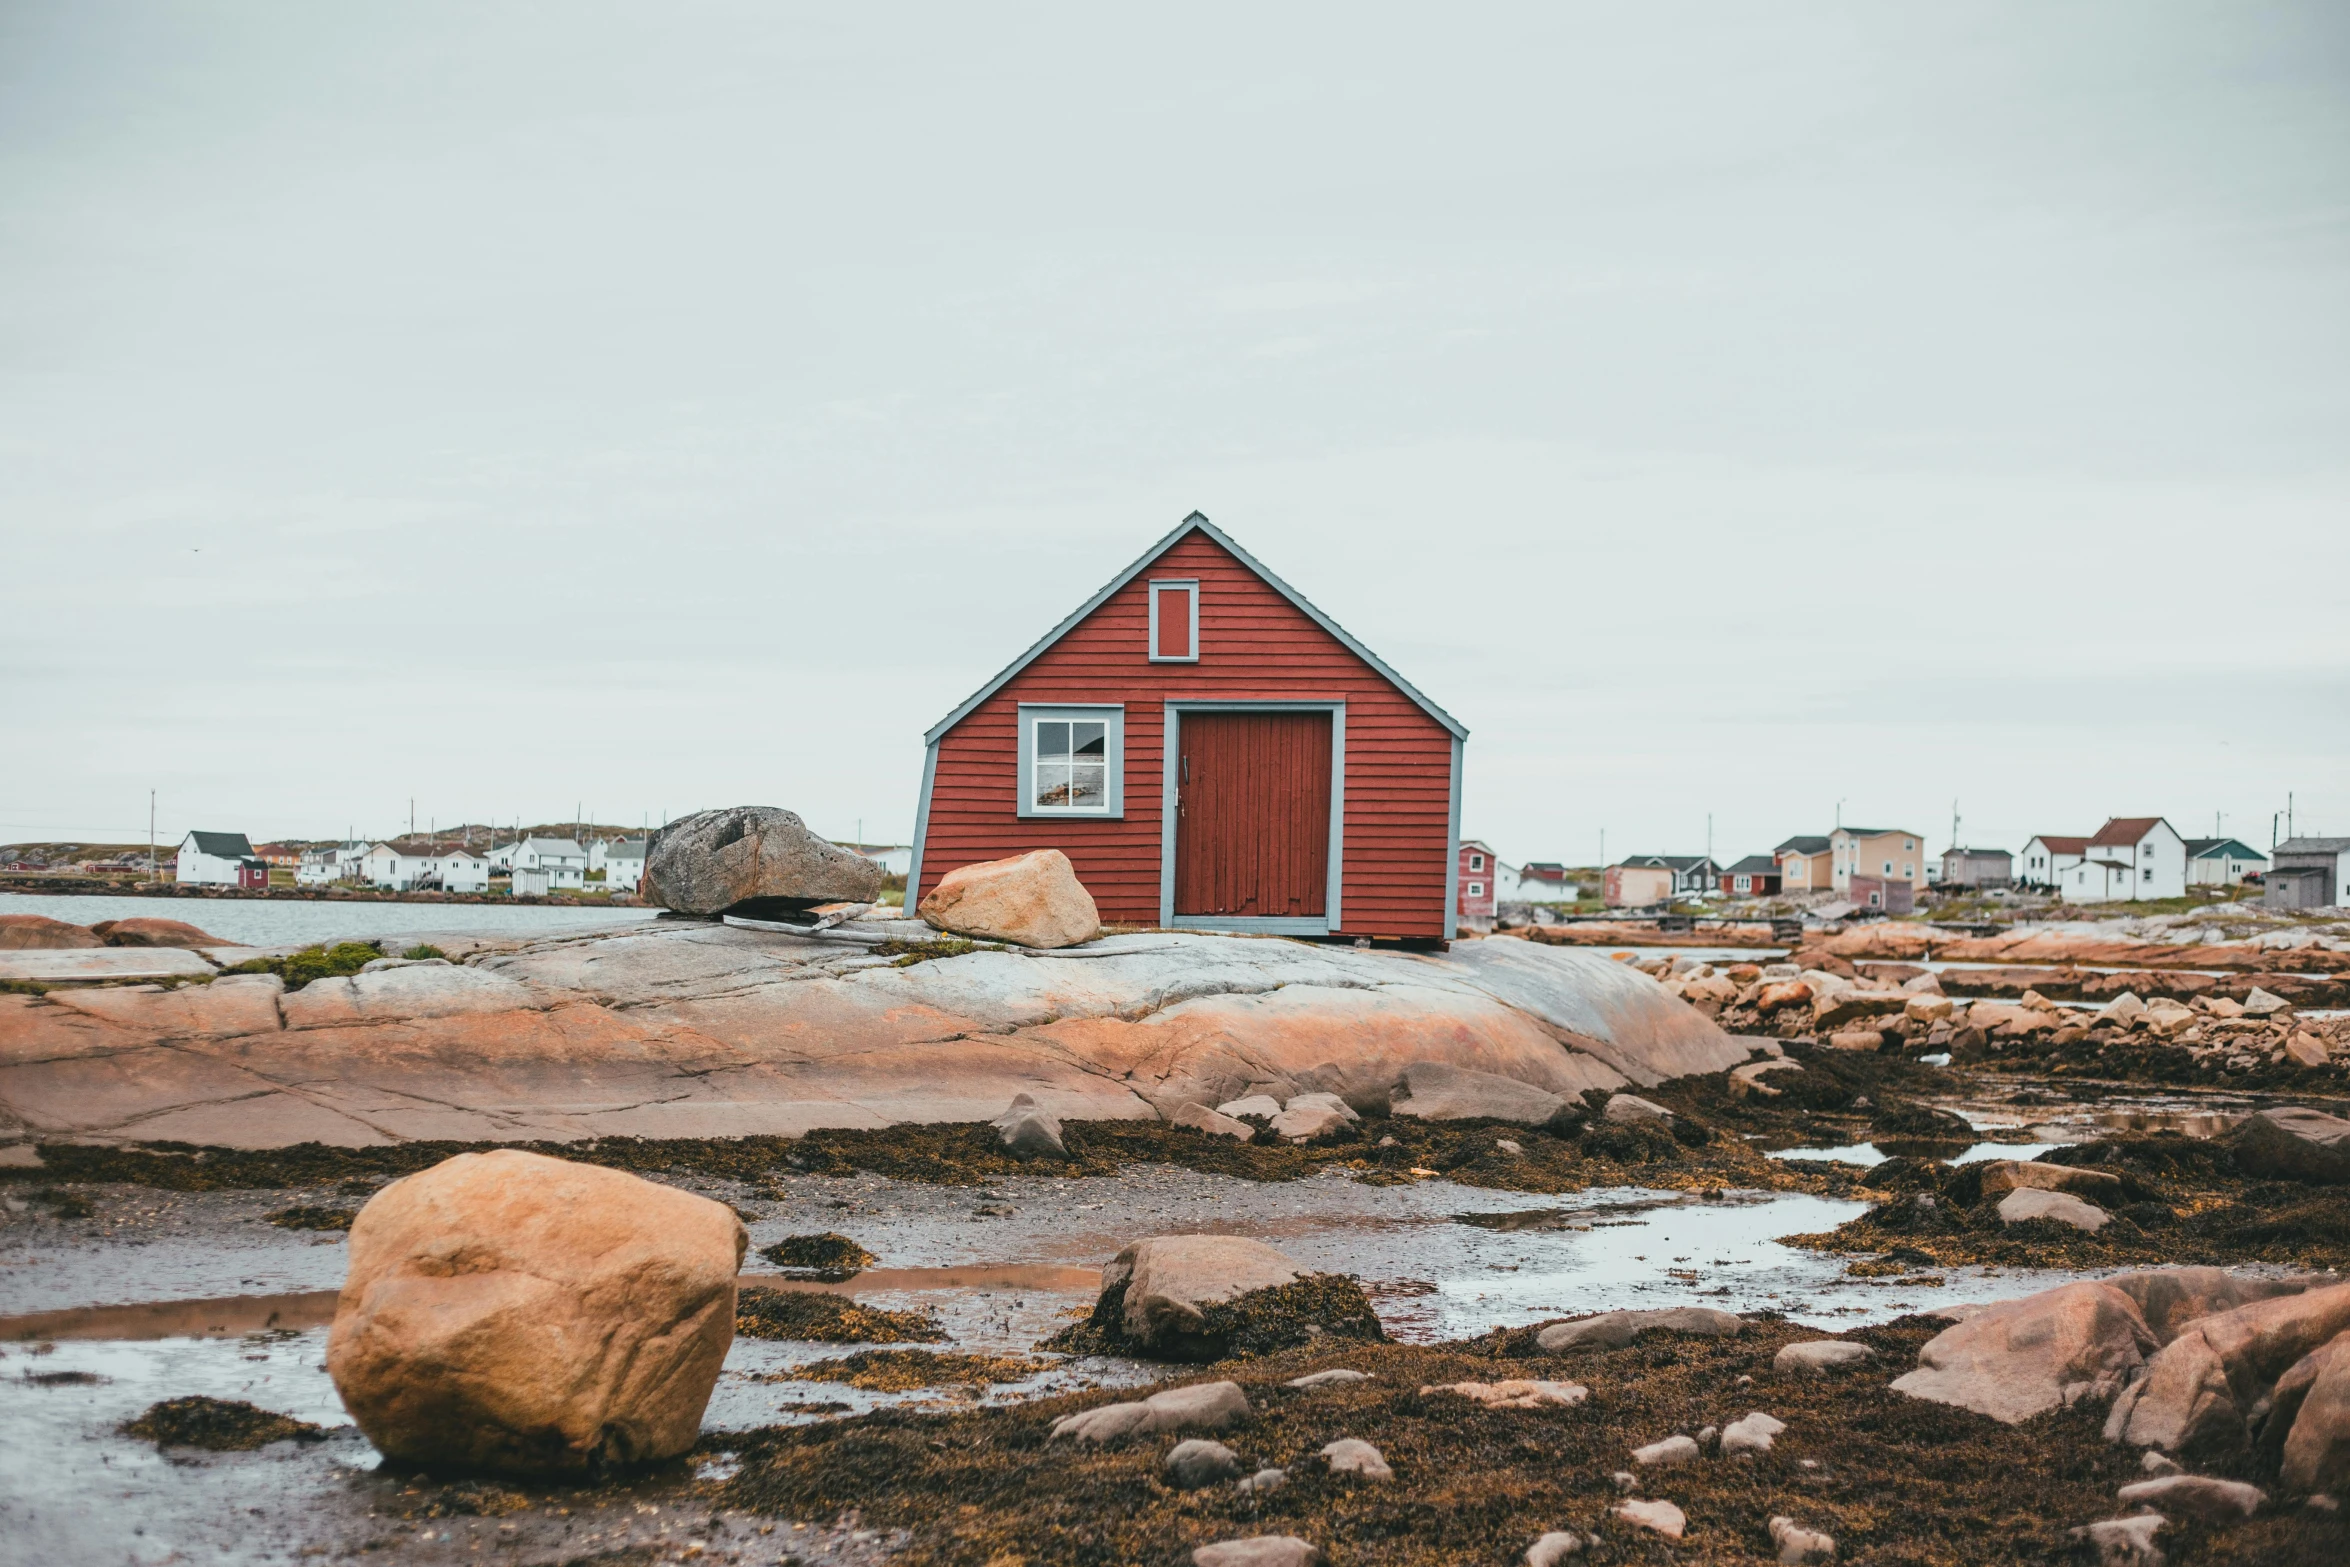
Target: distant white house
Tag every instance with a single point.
(334, 863)
(219, 859)
(1539, 881)
(623, 863)
(461, 870)
(895, 859)
(2222, 862)
(2130, 858)
(564, 861)
(2046, 858)
(396, 868)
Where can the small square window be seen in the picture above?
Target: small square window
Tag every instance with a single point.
(1072, 761)
(1476, 889)
(1476, 862)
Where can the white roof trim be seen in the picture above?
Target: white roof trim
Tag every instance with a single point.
(1199, 523)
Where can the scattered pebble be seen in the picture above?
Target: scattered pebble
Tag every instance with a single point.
(1351, 1455)
(1264, 1550)
(2158, 1462)
(1517, 1393)
(1199, 1462)
(2125, 1542)
(1753, 1434)
(2196, 1496)
(1625, 1481)
(1510, 1146)
(1818, 1357)
(1798, 1544)
(1663, 1517)
(1671, 1450)
(1329, 1378)
(1263, 1480)
(1554, 1548)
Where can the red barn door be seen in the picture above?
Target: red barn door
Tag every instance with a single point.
(1252, 815)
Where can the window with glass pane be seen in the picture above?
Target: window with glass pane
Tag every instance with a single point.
(1072, 765)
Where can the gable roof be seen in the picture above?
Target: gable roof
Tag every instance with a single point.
(221, 845)
(1803, 845)
(2313, 845)
(1195, 523)
(553, 846)
(1548, 870)
(2124, 831)
(1878, 832)
(1754, 865)
(2057, 845)
(2222, 849)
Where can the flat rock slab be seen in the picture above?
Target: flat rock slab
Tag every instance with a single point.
(83, 965)
(675, 1029)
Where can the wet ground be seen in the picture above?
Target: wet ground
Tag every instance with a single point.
(118, 1295)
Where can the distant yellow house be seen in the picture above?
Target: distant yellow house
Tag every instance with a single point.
(1803, 865)
(1877, 853)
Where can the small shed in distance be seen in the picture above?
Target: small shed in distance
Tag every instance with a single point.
(1211, 752)
(1478, 876)
(1977, 867)
(1756, 875)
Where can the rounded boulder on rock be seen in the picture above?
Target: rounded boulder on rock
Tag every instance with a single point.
(1553, 1548)
(2026, 1203)
(140, 931)
(2202, 1390)
(1615, 1329)
(1029, 1131)
(1439, 1091)
(2007, 1175)
(39, 933)
(2311, 1405)
(1203, 1406)
(1752, 1434)
(1663, 1517)
(2195, 1496)
(1353, 1456)
(1625, 1108)
(1202, 1119)
(1798, 1544)
(1031, 900)
(514, 1313)
(1197, 1461)
(1671, 1450)
(1162, 1283)
(1819, 1356)
(1305, 1123)
(714, 860)
(2293, 1143)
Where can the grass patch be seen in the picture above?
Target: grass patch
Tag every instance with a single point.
(219, 1425)
(303, 1217)
(298, 969)
(812, 1316)
(423, 950)
(905, 954)
(1324, 1307)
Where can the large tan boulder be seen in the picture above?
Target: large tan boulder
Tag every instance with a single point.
(1030, 900)
(712, 861)
(1440, 1091)
(2312, 1406)
(510, 1312)
(2199, 1393)
(2294, 1143)
(39, 933)
(1169, 1278)
(2001, 1176)
(2021, 1358)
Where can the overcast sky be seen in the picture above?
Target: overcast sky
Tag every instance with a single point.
(1755, 411)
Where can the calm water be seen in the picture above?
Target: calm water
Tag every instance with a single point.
(253, 922)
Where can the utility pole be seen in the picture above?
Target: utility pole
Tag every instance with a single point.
(150, 835)
(1709, 835)
(2289, 833)
(1603, 848)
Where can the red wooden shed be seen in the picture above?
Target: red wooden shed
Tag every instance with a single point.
(1211, 752)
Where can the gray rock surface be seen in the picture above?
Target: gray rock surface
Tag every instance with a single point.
(2032, 1202)
(1028, 1131)
(1631, 1107)
(713, 860)
(1169, 1278)
(1754, 1433)
(1198, 1461)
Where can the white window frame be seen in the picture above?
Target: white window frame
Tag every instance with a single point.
(1190, 585)
(1476, 889)
(1112, 716)
(1476, 862)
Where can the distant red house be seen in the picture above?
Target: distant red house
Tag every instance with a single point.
(1211, 752)
(1476, 876)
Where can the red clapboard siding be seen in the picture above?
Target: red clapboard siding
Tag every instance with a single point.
(1254, 645)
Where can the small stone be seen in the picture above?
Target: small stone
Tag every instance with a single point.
(1389, 1142)
(1510, 1146)
(1330, 1378)
(1264, 1550)
(1625, 1481)
(1631, 1107)
(1818, 1357)
(1663, 1517)
(1753, 1434)
(1208, 1406)
(1319, 1101)
(1743, 1381)
(1671, 1450)
(1706, 1434)
(1797, 1544)
(1353, 1456)
(1028, 1131)
(2305, 1049)
(2158, 1462)
(2321, 1502)
(1517, 1393)
(1263, 1480)
(1615, 1329)
(2262, 1003)
(1553, 1548)
(1856, 1039)
(2196, 1496)
(1263, 1106)
(2031, 1202)
(1303, 1123)
(1202, 1119)
(2125, 1542)
(1197, 1462)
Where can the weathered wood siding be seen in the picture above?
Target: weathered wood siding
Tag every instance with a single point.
(1254, 645)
